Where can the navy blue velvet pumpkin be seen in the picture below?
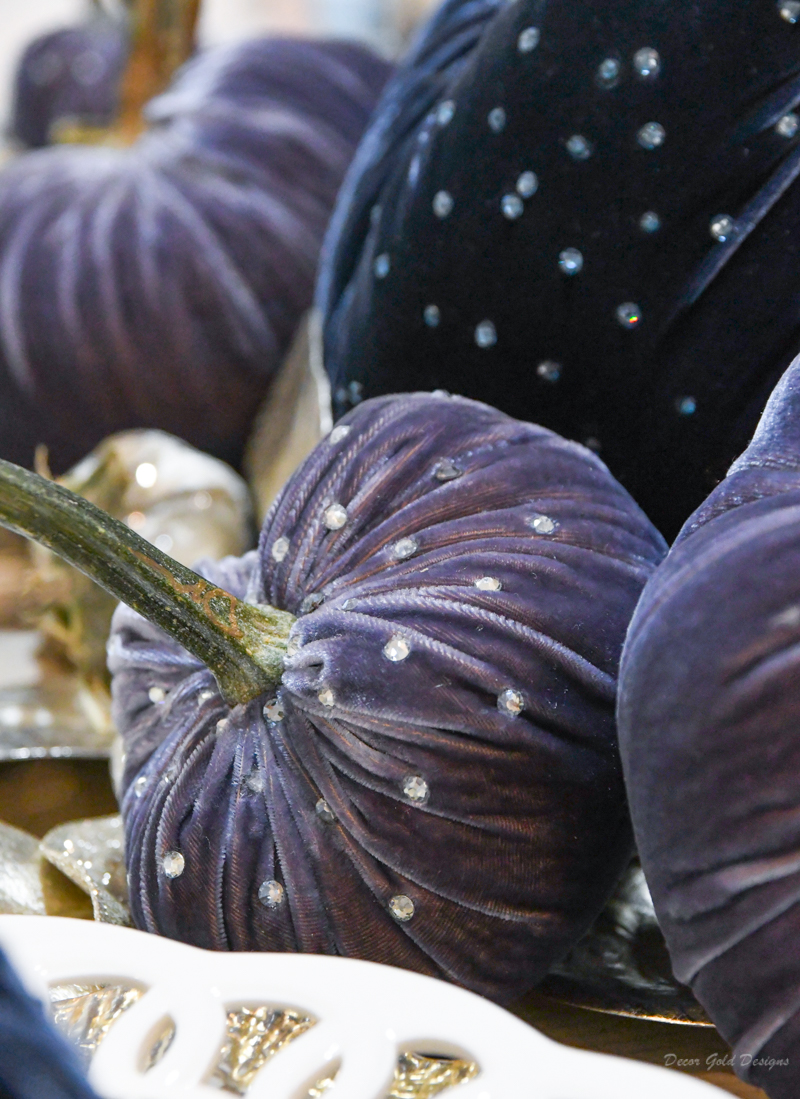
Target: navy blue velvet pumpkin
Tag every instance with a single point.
(435, 783)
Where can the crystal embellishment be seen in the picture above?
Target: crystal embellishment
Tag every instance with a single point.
(628, 314)
(511, 207)
(647, 63)
(788, 125)
(446, 470)
(139, 785)
(543, 524)
(405, 547)
(341, 431)
(280, 547)
(721, 227)
(274, 711)
(579, 147)
(442, 204)
(382, 265)
(570, 261)
(527, 184)
(173, 864)
(608, 73)
(324, 811)
(651, 135)
(396, 649)
(156, 694)
(497, 120)
(548, 371)
(511, 702)
(789, 10)
(649, 222)
(488, 583)
(271, 893)
(335, 517)
(528, 39)
(416, 789)
(326, 697)
(485, 334)
(445, 112)
(401, 907)
(686, 406)
(431, 316)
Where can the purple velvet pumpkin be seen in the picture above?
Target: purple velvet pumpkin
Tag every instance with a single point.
(709, 718)
(436, 782)
(160, 285)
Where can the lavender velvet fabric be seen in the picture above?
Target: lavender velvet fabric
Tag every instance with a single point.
(159, 286)
(524, 830)
(709, 722)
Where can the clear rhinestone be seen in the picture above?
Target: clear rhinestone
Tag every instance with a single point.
(431, 316)
(255, 782)
(570, 261)
(686, 406)
(139, 785)
(788, 125)
(293, 646)
(446, 470)
(549, 371)
(324, 811)
(789, 10)
(349, 605)
(721, 227)
(204, 696)
(273, 710)
(647, 63)
(608, 73)
(527, 184)
(488, 583)
(628, 314)
(202, 500)
(416, 789)
(401, 907)
(405, 547)
(271, 893)
(485, 334)
(497, 120)
(173, 864)
(280, 547)
(340, 432)
(396, 649)
(382, 265)
(156, 694)
(442, 203)
(335, 517)
(146, 475)
(510, 701)
(327, 697)
(543, 524)
(528, 39)
(651, 135)
(311, 602)
(650, 222)
(579, 147)
(511, 206)
(445, 112)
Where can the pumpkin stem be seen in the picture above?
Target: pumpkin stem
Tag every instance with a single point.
(243, 645)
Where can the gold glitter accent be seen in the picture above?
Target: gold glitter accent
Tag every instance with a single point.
(84, 1013)
(418, 1076)
(316, 1091)
(254, 1035)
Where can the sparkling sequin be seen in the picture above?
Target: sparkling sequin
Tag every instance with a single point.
(543, 524)
(401, 907)
(788, 125)
(273, 710)
(570, 261)
(139, 785)
(431, 316)
(628, 314)
(271, 893)
(721, 227)
(686, 406)
(651, 135)
(647, 63)
(336, 436)
(405, 547)
(327, 697)
(156, 694)
(396, 649)
(527, 184)
(335, 517)
(445, 112)
(789, 10)
(579, 147)
(324, 811)
(549, 371)
(485, 334)
(511, 206)
(497, 120)
(416, 789)
(650, 222)
(608, 73)
(173, 864)
(511, 702)
(528, 39)
(488, 583)
(382, 265)
(442, 203)
(280, 547)
(446, 470)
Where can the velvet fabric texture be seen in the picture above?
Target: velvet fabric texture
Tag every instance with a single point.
(436, 784)
(587, 216)
(35, 1062)
(159, 286)
(709, 713)
(70, 75)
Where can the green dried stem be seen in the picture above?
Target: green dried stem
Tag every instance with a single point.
(243, 645)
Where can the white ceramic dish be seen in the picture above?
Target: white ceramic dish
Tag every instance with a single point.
(365, 1015)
